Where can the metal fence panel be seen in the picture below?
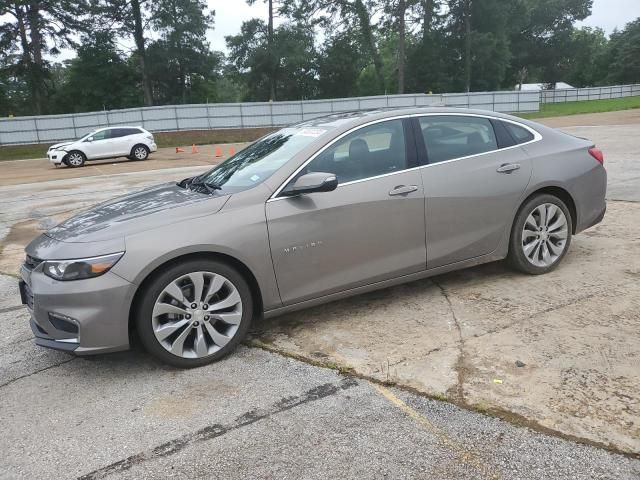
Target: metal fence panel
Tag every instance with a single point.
(592, 93)
(54, 128)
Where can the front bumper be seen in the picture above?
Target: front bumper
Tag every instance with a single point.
(81, 316)
(56, 156)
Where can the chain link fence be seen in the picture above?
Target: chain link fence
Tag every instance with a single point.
(55, 128)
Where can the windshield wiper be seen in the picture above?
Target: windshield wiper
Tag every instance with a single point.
(198, 182)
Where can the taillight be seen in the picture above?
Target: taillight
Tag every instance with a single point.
(597, 154)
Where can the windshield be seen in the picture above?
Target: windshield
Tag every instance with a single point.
(260, 160)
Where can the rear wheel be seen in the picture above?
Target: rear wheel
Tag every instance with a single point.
(541, 235)
(139, 152)
(194, 313)
(75, 159)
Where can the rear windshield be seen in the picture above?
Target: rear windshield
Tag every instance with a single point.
(257, 162)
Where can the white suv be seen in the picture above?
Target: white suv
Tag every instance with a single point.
(134, 143)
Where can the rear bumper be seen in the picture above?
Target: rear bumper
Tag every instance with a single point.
(81, 317)
(595, 219)
(153, 147)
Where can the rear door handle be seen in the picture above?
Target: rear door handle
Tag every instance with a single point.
(508, 168)
(403, 190)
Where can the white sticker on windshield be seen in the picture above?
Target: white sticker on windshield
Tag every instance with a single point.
(311, 132)
(255, 178)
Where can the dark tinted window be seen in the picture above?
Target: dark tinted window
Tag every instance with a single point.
(123, 132)
(367, 152)
(519, 134)
(447, 137)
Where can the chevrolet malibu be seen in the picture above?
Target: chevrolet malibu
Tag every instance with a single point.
(311, 213)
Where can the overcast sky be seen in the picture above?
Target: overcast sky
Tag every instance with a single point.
(230, 14)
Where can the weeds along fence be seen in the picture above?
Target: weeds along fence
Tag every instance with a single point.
(213, 116)
(593, 93)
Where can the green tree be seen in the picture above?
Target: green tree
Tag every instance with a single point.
(624, 53)
(128, 18)
(540, 37)
(291, 51)
(586, 66)
(98, 78)
(339, 65)
(36, 28)
(183, 67)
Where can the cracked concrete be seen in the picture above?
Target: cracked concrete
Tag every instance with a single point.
(574, 329)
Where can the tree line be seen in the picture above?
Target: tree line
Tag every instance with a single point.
(132, 53)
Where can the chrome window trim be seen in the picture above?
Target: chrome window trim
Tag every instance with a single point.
(536, 138)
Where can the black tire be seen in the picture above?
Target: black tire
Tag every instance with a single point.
(139, 148)
(516, 257)
(155, 287)
(75, 159)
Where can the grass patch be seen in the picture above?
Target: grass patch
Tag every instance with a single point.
(163, 139)
(20, 152)
(586, 106)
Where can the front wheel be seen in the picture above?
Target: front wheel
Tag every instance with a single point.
(75, 159)
(194, 313)
(541, 235)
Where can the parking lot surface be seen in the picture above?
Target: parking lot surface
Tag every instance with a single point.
(557, 354)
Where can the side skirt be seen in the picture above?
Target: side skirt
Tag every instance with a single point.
(491, 257)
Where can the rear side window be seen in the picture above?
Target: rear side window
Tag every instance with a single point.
(519, 134)
(448, 137)
(123, 132)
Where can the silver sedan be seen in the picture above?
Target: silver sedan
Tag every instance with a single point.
(314, 212)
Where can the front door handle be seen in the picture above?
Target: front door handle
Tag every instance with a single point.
(403, 190)
(508, 168)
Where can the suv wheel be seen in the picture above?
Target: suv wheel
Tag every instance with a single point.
(194, 313)
(541, 235)
(139, 152)
(75, 159)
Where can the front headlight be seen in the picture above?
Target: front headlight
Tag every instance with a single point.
(80, 268)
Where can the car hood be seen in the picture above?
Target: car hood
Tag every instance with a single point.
(143, 210)
(62, 144)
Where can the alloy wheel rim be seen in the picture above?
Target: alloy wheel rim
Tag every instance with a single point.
(544, 235)
(140, 153)
(197, 314)
(75, 159)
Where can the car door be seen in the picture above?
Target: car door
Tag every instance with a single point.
(98, 145)
(371, 228)
(121, 141)
(473, 180)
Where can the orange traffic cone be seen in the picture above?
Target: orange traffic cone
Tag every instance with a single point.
(218, 152)
(179, 150)
(232, 151)
(194, 149)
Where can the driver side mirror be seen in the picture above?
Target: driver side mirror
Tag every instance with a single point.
(90, 139)
(312, 182)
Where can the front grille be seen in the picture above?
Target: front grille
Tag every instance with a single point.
(31, 262)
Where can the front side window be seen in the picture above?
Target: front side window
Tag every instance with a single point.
(448, 136)
(257, 162)
(368, 152)
(101, 135)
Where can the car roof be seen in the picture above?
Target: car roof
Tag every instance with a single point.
(354, 118)
(117, 126)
